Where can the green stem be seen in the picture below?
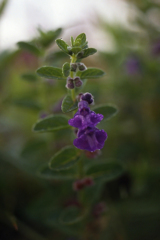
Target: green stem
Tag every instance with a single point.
(73, 95)
(80, 176)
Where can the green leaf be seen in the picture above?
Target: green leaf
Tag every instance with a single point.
(66, 69)
(30, 77)
(68, 105)
(45, 172)
(71, 215)
(72, 41)
(76, 50)
(105, 171)
(47, 38)
(64, 159)
(27, 103)
(87, 52)
(107, 110)
(62, 45)
(91, 73)
(51, 123)
(29, 47)
(80, 40)
(51, 72)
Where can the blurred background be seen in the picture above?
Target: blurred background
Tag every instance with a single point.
(127, 37)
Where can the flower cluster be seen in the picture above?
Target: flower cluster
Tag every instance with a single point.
(88, 136)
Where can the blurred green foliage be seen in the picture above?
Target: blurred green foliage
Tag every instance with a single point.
(32, 197)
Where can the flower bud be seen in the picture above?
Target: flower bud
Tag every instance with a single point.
(70, 83)
(88, 181)
(80, 54)
(78, 185)
(87, 97)
(81, 66)
(78, 82)
(73, 67)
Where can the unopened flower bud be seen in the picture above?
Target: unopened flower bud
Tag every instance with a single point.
(80, 54)
(70, 83)
(88, 181)
(73, 67)
(78, 82)
(81, 66)
(87, 97)
(78, 185)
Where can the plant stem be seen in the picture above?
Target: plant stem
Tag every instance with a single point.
(73, 95)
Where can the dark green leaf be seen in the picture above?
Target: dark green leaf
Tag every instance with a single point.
(68, 105)
(80, 40)
(66, 69)
(27, 103)
(47, 38)
(47, 173)
(51, 123)
(106, 171)
(62, 45)
(51, 72)
(64, 159)
(108, 111)
(87, 52)
(91, 73)
(71, 215)
(31, 77)
(76, 50)
(29, 47)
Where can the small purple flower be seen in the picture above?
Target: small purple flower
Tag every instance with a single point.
(87, 97)
(90, 139)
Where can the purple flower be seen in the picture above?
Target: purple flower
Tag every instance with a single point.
(90, 139)
(89, 120)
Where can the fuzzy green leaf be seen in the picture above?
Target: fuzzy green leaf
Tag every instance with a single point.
(66, 69)
(91, 73)
(108, 111)
(29, 47)
(68, 105)
(64, 159)
(27, 103)
(80, 40)
(30, 77)
(105, 171)
(87, 52)
(51, 123)
(62, 45)
(47, 38)
(76, 50)
(47, 173)
(71, 215)
(50, 72)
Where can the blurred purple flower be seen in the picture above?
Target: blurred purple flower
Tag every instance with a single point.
(43, 115)
(132, 66)
(155, 49)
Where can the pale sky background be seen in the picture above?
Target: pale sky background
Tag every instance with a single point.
(22, 17)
